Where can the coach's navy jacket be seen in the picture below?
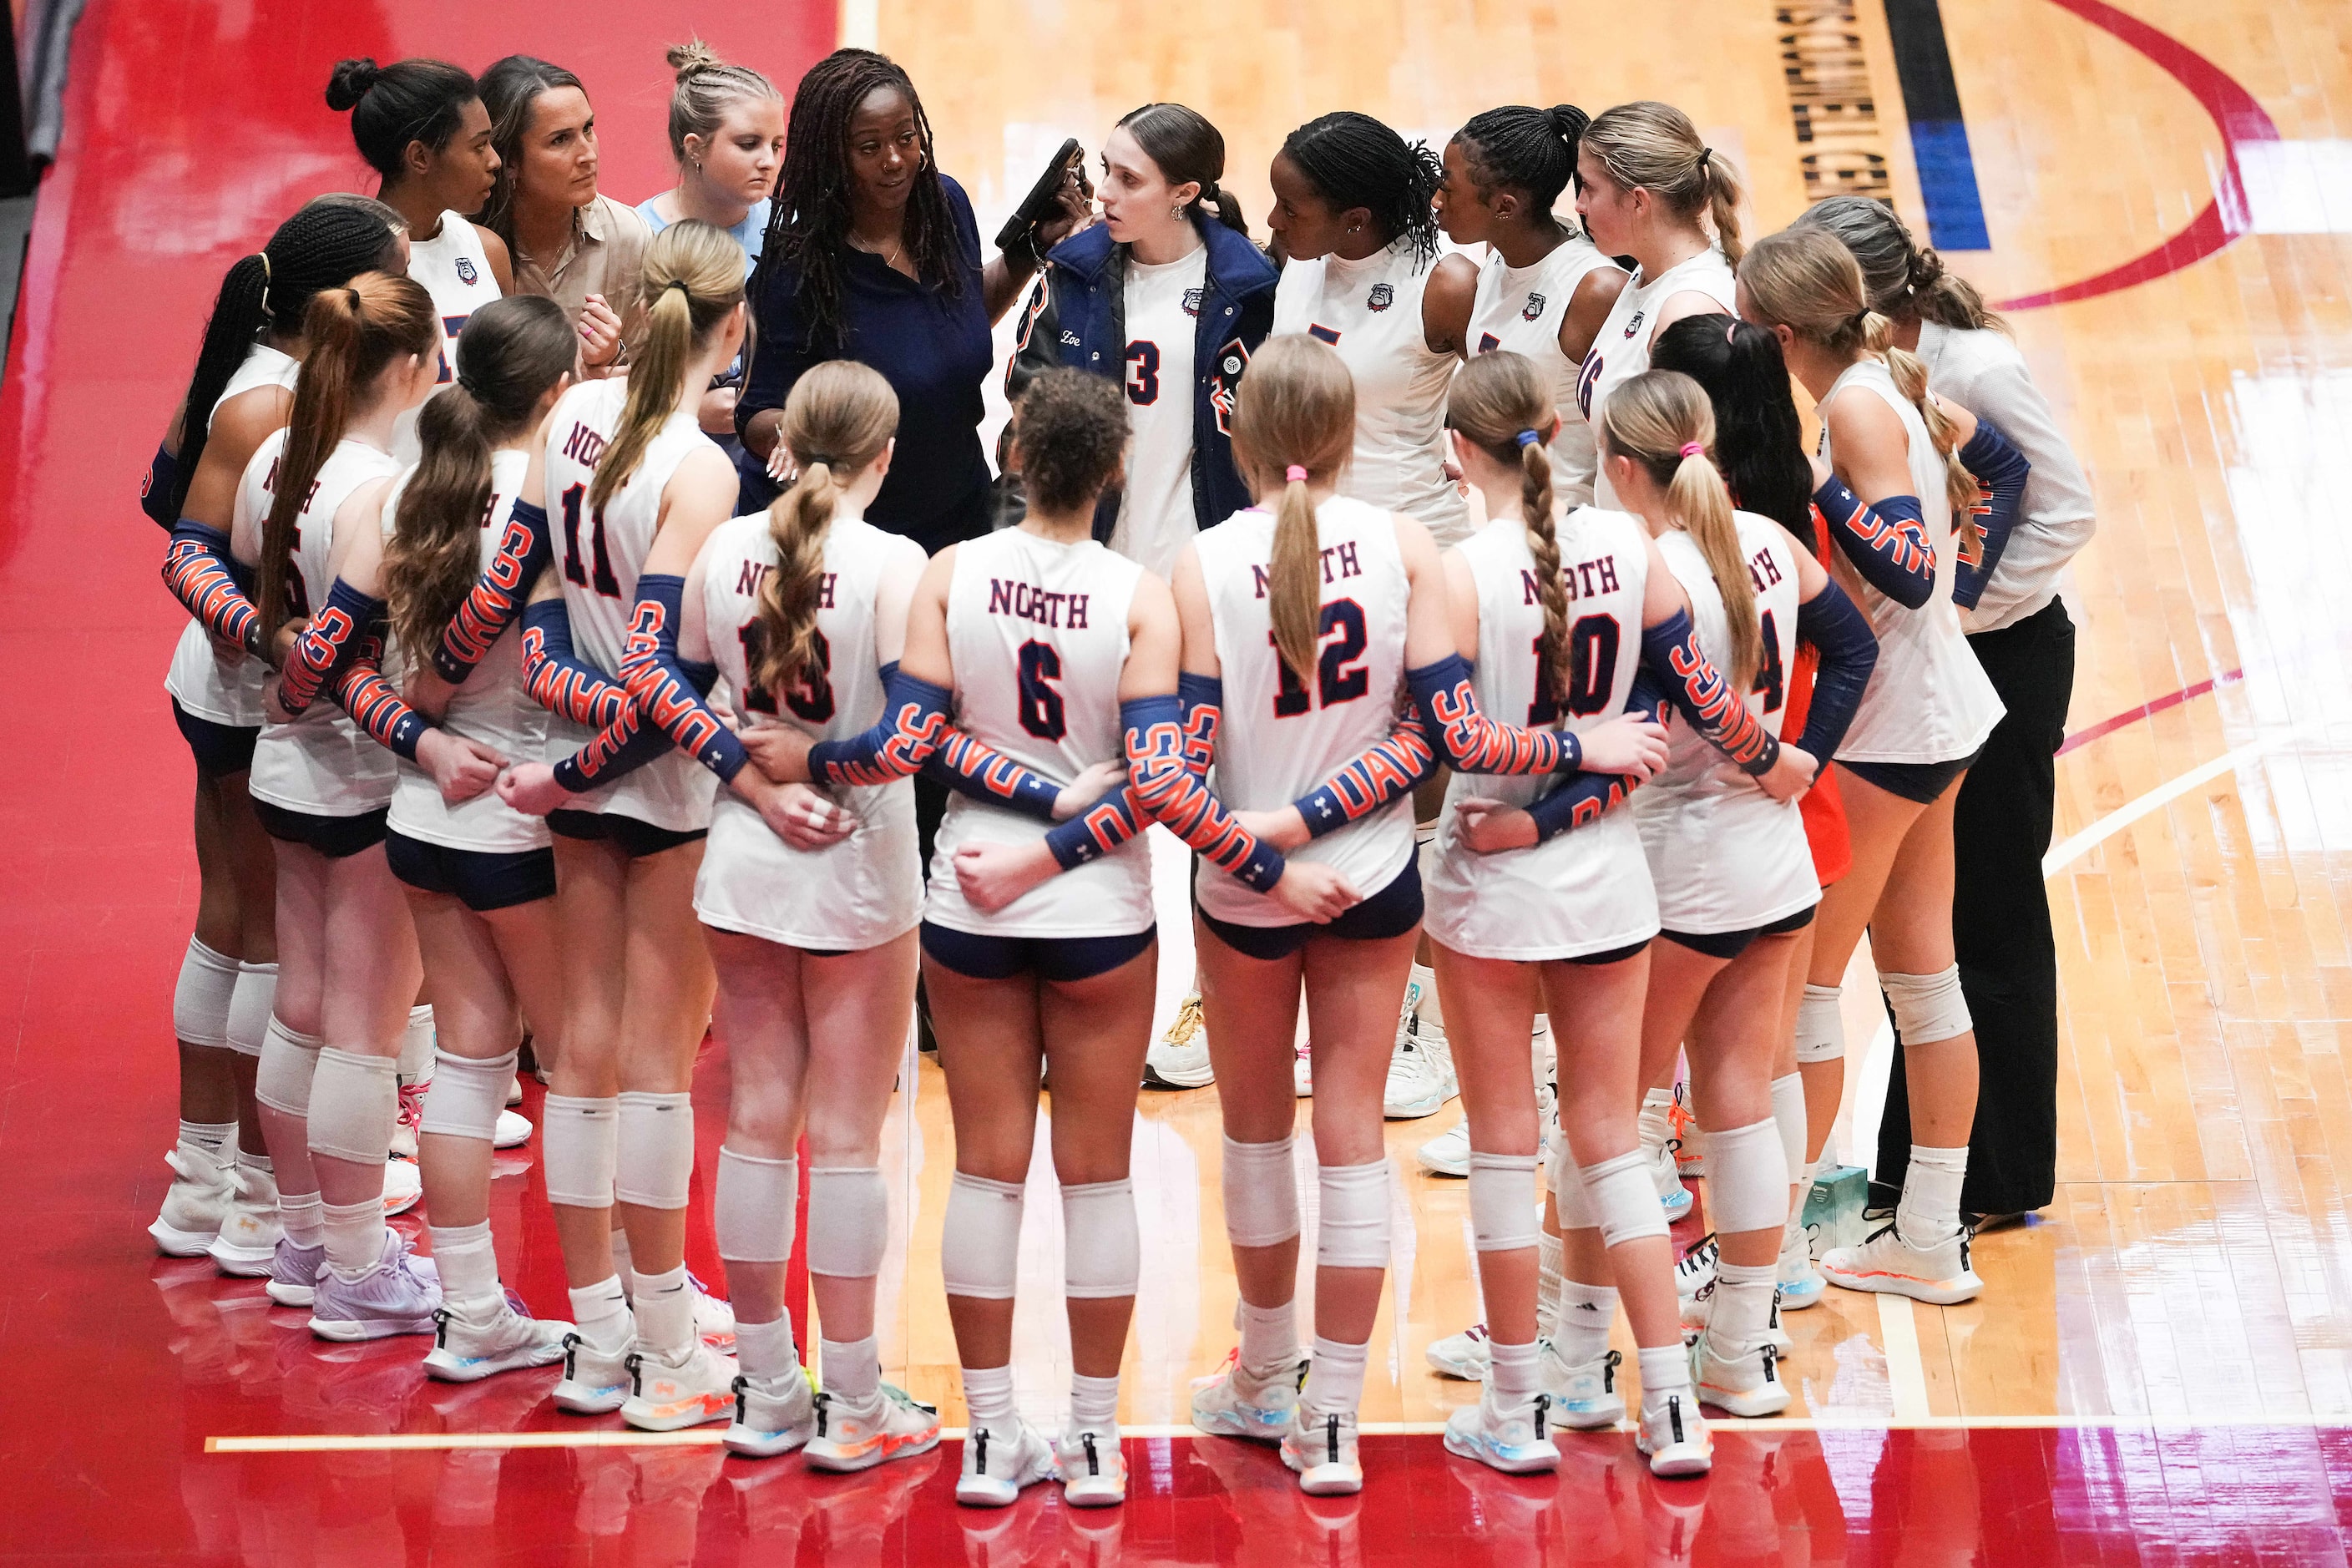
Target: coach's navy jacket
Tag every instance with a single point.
(1077, 315)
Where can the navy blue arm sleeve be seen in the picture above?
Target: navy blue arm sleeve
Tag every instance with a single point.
(1849, 651)
(2000, 471)
(155, 494)
(1700, 693)
(659, 680)
(1579, 800)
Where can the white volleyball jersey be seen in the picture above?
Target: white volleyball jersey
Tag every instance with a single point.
(1037, 631)
(868, 887)
(1723, 854)
(597, 558)
(1586, 891)
(207, 681)
(1621, 352)
(491, 706)
(1520, 308)
(455, 270)
(322, 763)
(1370, 310)
(1281, 737)
(1164, 311)
(1928, 700)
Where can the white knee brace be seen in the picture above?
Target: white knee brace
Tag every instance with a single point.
(1500, 1219)
(1747, 1179)
(353, 1100)
(1102, 1251)
(980, 1254)
(754, 1210)
(1568, 1193)
(248, 1007)
(1927, 1007)
(1261, 1189)
(579, 1148)
(849, 1221)
(200, 1002)
(466, 1096)
(1354, 1232)
(655, 1163)
(281, 1080)
(417, 1043)
(1788, 1114)
(1624, 1198)
(1821, 1027)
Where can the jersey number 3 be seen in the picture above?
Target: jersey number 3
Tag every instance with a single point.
(1335, 680)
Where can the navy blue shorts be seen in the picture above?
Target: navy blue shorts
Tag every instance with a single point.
(1062, 959)
(1730, 944)
(1392, 911)
(1924, 783)
(336, 837)
(1614, 955)
(220, 748)
(481, 879)
(638, 839)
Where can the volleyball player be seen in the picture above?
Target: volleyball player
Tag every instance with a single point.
(223, 1199)
(1889, 449)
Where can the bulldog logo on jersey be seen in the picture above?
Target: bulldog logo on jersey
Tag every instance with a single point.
(1635, 324)
(1193, 302)
(1534, 309)
(1379, 299)
(1232, 360)
(465, 273)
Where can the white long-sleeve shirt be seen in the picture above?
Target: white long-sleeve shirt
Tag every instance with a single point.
(1982, 371)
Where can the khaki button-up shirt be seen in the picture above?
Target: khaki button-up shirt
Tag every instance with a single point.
(606, 256)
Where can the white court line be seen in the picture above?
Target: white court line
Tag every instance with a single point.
(2069, 850)
(1906, 1374)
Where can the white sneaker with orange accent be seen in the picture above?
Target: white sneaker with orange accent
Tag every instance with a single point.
(1321, 1446)
(1094, 1469)
(858, 1435)
(1675, 1435)
(1938, 1274)
(670, 1396)
(772, 1415)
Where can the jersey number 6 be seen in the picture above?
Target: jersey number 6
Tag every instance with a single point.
(1041, 704)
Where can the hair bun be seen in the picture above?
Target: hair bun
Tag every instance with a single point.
(1568, 122)
(692, 56)
(1926, 268)
(349, 83)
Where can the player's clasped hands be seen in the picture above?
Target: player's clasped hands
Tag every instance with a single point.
(1627, 745)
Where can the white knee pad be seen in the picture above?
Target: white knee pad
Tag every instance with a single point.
(1927, 1007)
(1820, 1026)
(1568, 1193)
(754, 1207)
(655, 1162)
(1354, 1232)
(1261, 1188)
(466, 1096)
(1788, 1115)
(248, 1007)
(849, 1221)
(579, 1147)
(353, 1100)
(417, 1044)
(1747, 1179)
(1500, 1219)
(1102, 1250)
(980, 1254)
(1624, 1198)
(200, 1002)
(281, 1080)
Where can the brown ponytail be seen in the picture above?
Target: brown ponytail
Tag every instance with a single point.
(354, 333)
(1663, 420)
(1294, 426)
(693, 278)
(838, 418)
(1499, 404)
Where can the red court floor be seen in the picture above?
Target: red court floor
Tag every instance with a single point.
(195, 125)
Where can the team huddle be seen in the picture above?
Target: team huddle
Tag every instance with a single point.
(1486, 628)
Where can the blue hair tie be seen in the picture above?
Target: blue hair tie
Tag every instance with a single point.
(1528, 438)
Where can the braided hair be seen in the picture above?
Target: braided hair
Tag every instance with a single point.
(1524, 149)
(1352, 160)
(808, 226)
(326, 244)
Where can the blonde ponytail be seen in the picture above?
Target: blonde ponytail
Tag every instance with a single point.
(1294, 426)
(1909, 374)
(1655, 147)
(1663, 420)
(838, 420)
(1499, 404)
(693, 278)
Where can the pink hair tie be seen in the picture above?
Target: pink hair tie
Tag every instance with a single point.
(1693, 449)
(1295, 474)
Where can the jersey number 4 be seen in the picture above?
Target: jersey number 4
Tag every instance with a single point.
(576, 500)
(1335, 680)
(1591, 663)
(1769, 679)
(1041, 700)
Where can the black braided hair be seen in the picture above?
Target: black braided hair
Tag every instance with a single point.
(808, 225)
(1352, 160)
(390, 106)
(1524, 149)
(325, 244)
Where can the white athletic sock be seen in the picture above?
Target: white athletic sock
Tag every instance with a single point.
(1514, 1371)
(853, 1370)
(1335, 1378)
(1547, 1282)
(1930, 1209)
(303, 1217)
(764, 1351)
(210, 1136)
(468, 1267)
(1666, 1369)
(1094, 1402)
(1743, 1304)
(1269, 1337)
(1581, 1329)
(1797, 1205)
(624, 1267)
(354, 1237)
(664, 1304)
(602, 1315)
(417, 1046)
(988, 1393)
(1423, 987)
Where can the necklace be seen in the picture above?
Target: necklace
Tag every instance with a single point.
(890, 259)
